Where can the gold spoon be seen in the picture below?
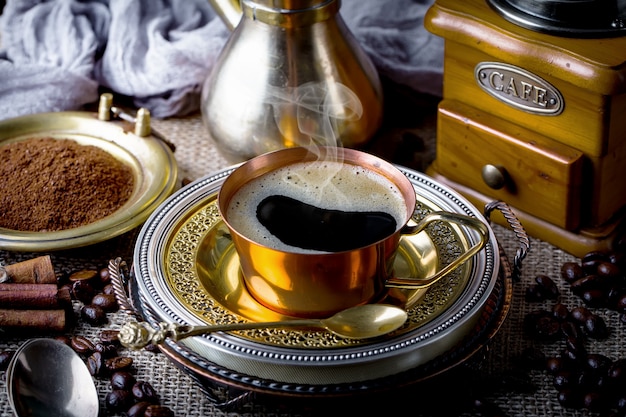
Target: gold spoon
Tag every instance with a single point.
(360, 322)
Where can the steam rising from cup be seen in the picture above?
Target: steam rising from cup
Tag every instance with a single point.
(316, 108)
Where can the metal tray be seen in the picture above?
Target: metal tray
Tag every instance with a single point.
(171, 282)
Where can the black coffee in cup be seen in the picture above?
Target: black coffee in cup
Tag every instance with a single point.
(328, 230)
(318, 207)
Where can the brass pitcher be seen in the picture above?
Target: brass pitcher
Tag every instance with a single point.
(290, 74)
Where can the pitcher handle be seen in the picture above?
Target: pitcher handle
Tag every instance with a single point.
(229, 11)
(418, 283)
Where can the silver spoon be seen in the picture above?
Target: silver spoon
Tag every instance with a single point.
(47, 378)
(360, 322)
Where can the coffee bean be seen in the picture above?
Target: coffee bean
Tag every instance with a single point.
(608, 269)
(571, 330)
(560, 311)
(591, 260)
(569, 398)
(565, 379)
(535, 293)
(105, 301)
(620, 402)
(119, 363)
(594, 401)
(617, 371)
(138, 409)
(598, 363)
(542, 325)
(106, 349)
(93, 314)
(95, 363)
(122, 380)
(576, 345)
(549, 287)
(612, 296)
(595, 327)
(619, 301)
(119, 400)
(143, 391)
(158, 411)
(104, 275)
(588, 283)
(110, 337)
(580, 314)
(62, 278)
(571, 271)
(83, 275)
(108, 289)
(555, 365)
(573, 354)
(83, 291)
(594, 298)
(82, 345)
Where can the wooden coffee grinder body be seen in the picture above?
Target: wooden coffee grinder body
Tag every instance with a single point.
(535, 120)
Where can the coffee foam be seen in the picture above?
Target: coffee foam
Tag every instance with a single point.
(328, 185)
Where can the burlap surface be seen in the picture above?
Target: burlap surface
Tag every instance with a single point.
(410, 140)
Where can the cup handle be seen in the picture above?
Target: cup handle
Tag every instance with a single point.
(419, 283)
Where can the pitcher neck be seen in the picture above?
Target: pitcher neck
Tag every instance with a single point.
(290, 13)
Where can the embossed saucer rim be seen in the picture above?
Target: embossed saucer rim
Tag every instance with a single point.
(145, 253)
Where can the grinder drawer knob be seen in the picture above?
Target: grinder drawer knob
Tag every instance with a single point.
(495, 176)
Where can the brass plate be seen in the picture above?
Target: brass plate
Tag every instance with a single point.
(152, 162)
(203, 274)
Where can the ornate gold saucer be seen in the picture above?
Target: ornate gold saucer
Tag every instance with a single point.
(232, 391)
(211, 286)
(186, 271)
(151, 159)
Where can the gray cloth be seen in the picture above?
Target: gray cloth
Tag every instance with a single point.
(57, 54)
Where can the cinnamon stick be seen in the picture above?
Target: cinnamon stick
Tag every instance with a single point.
(10, 286)
(34, 271)
(49, 320)
(33, 296)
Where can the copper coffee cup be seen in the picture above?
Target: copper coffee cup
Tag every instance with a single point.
(321, 284)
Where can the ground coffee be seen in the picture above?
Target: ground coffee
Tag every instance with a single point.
(49, 184)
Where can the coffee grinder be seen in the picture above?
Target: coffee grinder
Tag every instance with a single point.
(534, 113)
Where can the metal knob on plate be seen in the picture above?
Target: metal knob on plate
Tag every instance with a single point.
(495, 176)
